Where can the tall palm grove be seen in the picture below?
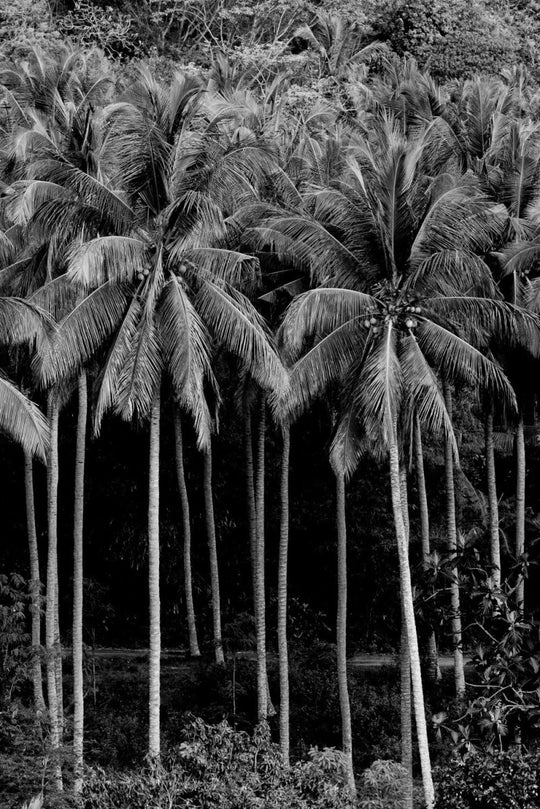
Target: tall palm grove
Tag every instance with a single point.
(178, 249)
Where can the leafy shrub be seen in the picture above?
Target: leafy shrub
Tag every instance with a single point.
(217, 766)
(451, 40)
(500, 781)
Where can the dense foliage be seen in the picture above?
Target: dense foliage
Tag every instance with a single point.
(225, 226)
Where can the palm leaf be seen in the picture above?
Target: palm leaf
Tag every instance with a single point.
(239, 328)
(115, 258)
(22, 419)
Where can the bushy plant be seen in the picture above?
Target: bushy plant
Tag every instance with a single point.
(218, 766)
(499, 781)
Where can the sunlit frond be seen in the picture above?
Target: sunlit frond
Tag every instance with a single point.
(237, 327)
(186, 346)
(455, 359)
(107, 258)
(319, 311)
(22, 420)
(82, 332)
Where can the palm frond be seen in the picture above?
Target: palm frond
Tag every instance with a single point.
(116, 360)
(82, 332)
(327, 362)
(319, 311)
(456, 359)
(240, 329)
(107, 258)
(22, 420)
(186, 346)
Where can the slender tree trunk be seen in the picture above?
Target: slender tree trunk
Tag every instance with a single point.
(260, 607)
(212, 549)
(283, 652)
(453, 547)
(154, 703)
(493, 503)
(433, 668)
(35, 583)
(251, 509)
(194, 650)
(410, 623)
(52, 587)
(405, 671)
(341, 631)
(78, 521)
(520, 507)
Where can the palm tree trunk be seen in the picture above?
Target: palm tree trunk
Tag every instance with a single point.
(212, 549)
(410, 623)
(341, 631)
(52, 588)
(251, 509)
(260, 607)
(453, 546)
(78, 517)
(405, 672)
(35, 583)
(493, 503)
(433, 669)
(283, 652)
(153, 582)
(194, 650)
(520, 507)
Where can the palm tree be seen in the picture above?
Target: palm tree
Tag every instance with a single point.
(341, 629)
(453, 549)
(391, 250)
(35, 582)
(178, 273)
(432, 655)
(283, 649)
(186, 524)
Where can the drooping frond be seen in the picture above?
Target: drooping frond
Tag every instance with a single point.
(455, 358)
(319, 311)
(498, 320)
(327, 362)
(461, 218)
(229, 267)
(116, 360)
(82, 332)
(22, 322)
(107, 258)
(451, 272)
(186, 348)
(238, 327)
(22, 420)
(140, 376)
(422, 394)
(27, 197)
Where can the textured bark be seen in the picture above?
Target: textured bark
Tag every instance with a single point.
(251, 510)
(212, 550)
(51, 623)
(154, 702)
(433, 669)
(283, 652)
(35, 583)
(78, 522)
(520, 507)
(410, 622)
(341, 631)
(405, 672)
(186, 525)
(453, 547)
(260, 606)
(493, 503)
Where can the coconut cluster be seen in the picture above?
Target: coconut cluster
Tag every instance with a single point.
(392, 313)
